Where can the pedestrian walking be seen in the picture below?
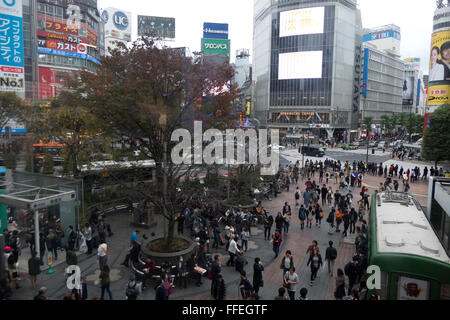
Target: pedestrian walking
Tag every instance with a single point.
(88, 236)
(245, 236)
(290, 282)
(339, 292)
(276, 242)
(219, 289)
(316, 262)
(216, 268)
(302, 216)
(33, 268)
(287, 262)
(268, 222)
(105, 282)
(102, 255)
(72, 238)
(330, 256)
(245, 286)
(232, 250)
(258, 282)
(351, 271)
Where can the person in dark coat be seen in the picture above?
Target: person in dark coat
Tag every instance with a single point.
(180, 273)
(215, 272)
(220, 290)
(258, 268)
(161, 292)
(33, 268)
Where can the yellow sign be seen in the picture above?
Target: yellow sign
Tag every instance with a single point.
(248, 107)
(438, 95)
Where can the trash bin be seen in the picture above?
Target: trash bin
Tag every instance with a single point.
(373, 151)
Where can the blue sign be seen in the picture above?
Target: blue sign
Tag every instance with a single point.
(365, 71)
(418, 93)
(120, 20)
(11, 39)
(215, 30)
(14, 131)
(382, 35)
(68, 54)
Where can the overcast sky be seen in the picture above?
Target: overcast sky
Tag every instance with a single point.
(414, 17)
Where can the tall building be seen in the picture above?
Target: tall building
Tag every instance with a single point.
(439, 75)
(307, 65)
(385, 90)
(70, 38)
(386, 38)
(243, 80)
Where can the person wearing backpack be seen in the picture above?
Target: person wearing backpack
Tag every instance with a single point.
(338, 219)
(133, 289)
(330, 256)
(302, 216)
(276, 242)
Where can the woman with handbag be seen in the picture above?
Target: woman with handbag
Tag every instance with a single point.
(340, 285)
(105, 281)
(258, 282)
(290, 282)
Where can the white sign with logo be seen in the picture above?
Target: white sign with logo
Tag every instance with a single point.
(413, 289)
(117, 24)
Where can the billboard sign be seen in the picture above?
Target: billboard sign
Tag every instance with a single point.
(50, 80)
(68, 54)
(438, 94)
(302, 21)
(300, 65)
(365, 72)
(439, 76)
(12, 75)
(117, 24)
(412, 63)
(426, 121)
(440, 57)
(382, 35)
(408, 91)
(215, 30)
(216, 46)
(159, 27)
(418, 92)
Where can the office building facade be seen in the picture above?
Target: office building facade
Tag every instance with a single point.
(307, 65)
(382, 84)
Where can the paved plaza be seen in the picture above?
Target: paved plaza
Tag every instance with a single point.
(296, 240)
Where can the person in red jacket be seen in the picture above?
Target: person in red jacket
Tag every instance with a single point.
(276, 242)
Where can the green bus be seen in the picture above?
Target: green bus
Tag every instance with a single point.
(414, 264)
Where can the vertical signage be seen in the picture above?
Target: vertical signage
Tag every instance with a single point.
(366, 71)
(12, 75)
(418, 93)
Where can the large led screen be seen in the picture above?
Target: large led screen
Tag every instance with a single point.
(300, 65)
(302, 21)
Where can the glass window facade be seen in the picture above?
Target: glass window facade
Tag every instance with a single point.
(303, 92)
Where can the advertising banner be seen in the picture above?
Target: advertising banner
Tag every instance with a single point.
(12, 76)
(215, 30)
(382, 35)
(413, 63)
(300, 65)
(440, 57)
(408, 91)
(68, 54)
(159, 27)
(413, 289)
(117, 24)
(418, 92)
(426, 121)
(50, 79)
(365, 72)
(216, 46)
(438, 94)
(302, 21)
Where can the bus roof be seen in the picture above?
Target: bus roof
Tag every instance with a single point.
(107, 165)
(402, 227)
(50, 144)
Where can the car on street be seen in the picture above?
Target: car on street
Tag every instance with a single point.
(382, 145)
(349, 146)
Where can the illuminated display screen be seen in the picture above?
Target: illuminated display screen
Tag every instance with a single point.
(300, 65)
(302, 21)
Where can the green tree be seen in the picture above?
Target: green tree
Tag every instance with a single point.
(436, 141)
(11, 161)
(150, 91)
(11, 106)
(367, 123)
(48, 164)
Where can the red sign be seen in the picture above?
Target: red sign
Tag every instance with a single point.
(50, 79)
(11, 69)
(61, 45)
(62, 37)
(426, 121)
(363, 135)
